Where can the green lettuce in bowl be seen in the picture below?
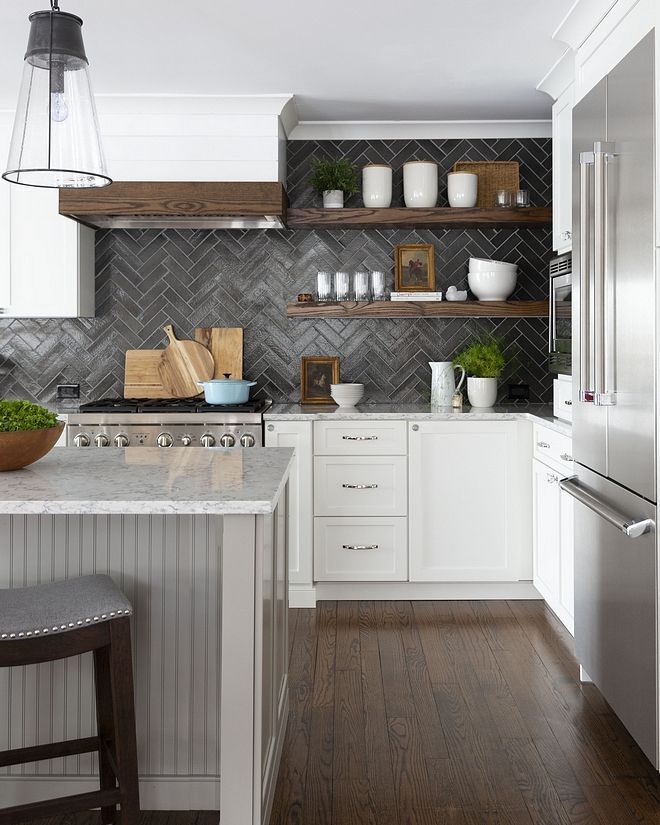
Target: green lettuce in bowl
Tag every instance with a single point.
(27, 433)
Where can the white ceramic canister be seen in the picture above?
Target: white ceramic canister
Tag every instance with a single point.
(442, 382)
(333, 199)
(420, 183)
(462, 189)
(377, 185)
(482, 392)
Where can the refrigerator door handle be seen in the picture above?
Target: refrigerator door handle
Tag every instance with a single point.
(586, 390)
(632, 528)
(603, 298)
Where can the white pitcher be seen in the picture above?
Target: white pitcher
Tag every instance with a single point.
(442, 382)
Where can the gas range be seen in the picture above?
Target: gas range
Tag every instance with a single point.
(166, 422)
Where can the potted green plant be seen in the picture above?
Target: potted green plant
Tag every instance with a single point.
(27, 433)
(483, 361)
(335, 180)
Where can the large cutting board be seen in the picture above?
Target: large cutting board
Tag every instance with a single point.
(226, 346)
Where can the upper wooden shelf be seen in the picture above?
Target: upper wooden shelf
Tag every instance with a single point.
(420, 309)
(420, 218)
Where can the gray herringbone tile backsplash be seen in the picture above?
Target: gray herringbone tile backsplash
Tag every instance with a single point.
(244, 278)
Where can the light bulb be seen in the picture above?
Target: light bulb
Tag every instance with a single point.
(59, 111)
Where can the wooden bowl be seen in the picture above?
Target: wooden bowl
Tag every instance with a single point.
(27, 446)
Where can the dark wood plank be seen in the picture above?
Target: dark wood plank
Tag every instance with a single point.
(438, 217)
(348, 636)
(419, 309)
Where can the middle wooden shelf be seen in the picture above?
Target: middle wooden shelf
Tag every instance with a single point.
(419, 309)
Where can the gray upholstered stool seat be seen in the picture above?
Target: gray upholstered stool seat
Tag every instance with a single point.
(60, 606)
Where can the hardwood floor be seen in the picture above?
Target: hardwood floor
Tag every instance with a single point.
(445, 713)
(450, 713)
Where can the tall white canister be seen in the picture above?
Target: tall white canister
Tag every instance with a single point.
(377, 185)
(420, 183)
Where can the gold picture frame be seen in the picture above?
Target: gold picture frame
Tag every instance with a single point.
(317, 372)
(414, 267)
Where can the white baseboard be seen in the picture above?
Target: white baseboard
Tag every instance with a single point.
(157, 793)
(302, 596)
(389, 591)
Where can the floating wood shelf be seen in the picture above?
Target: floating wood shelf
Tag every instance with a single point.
(420, 309)
(420, 218)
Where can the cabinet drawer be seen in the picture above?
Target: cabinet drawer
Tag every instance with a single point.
(553, 446)
(360, 486)
(562, 401)
(360, 549)
(378, 437)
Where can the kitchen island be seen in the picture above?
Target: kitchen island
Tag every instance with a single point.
(197, 540)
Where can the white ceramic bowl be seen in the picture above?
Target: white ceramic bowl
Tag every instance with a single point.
(492, 286)
(346, 395)
(484, 265)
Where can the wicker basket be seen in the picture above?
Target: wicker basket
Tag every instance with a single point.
(493, 176)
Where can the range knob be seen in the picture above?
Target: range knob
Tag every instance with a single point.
(207, 440)
(227, 440)
(186, 441)
(121, 440)
(101, 440)
(81, 440)
(164, 440)
(247, 440)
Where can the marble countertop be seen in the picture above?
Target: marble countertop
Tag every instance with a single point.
(540, 413)
(148, 480)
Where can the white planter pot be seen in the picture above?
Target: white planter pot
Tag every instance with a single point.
(420, 184)
(333, 199)
(482, 392)
(462, 189)
(377, 185)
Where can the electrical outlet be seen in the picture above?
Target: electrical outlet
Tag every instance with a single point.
(68, 391)
(518, 392)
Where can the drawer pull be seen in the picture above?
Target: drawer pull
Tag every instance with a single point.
(360, 437)
(566, 457)
(543, 444)
(360, 546)
(360, 486)
(568, 403)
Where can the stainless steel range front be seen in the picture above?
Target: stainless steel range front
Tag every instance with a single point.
(166, 423)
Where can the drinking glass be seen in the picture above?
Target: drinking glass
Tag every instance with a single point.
(522, 197)
(341, 286)
(361, 286)
(504, 198)
(378, 292)
(324, 286)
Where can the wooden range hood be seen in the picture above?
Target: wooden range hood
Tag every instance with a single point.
(178, 205)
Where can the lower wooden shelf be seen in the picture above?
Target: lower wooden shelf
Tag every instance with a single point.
(420, 309)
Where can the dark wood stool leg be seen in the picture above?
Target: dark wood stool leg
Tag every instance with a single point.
(105, 726)
(121, 678)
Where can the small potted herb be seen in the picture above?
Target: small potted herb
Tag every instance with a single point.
(335, 180)
(483, 361)
(27, 433)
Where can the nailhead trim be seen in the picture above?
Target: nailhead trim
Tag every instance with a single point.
(55, 628)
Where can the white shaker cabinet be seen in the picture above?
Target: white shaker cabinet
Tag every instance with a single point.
(297, 434)
(469, 501)
(562, 136)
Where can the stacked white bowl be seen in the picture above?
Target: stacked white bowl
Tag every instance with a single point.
(346, 395)
(492, 280)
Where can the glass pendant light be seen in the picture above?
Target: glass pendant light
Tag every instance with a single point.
(56, 141)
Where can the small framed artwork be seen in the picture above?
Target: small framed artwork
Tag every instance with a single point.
(317, 373)
(414, 267)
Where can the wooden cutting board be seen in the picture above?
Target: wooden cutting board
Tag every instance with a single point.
(142, 374)
(183, 365)
(226, 347)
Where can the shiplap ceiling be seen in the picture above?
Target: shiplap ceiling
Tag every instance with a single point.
(344, 59)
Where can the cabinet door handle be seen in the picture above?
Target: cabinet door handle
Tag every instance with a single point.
(360, 546)
(543, 444)
(360, 437)
(566, 457)
(551, 478)
(359, 486)
(270, 428)
(566, 235)
(568, 403)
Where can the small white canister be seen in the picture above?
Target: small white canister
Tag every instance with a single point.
(420, 183)
(377, 185)
(462, 189)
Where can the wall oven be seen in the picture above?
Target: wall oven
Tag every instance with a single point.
(561, 277)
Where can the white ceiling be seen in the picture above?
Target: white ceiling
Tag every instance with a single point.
(343, 60)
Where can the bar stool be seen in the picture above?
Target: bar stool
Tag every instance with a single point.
(54, 621)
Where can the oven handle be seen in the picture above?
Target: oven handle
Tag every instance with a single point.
(552, 326)
(632, 528)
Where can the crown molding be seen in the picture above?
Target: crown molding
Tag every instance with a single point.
(581, 19)
(560, 76)
(194, 104)
(418, 129)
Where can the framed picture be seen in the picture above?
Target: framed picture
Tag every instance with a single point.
(414, 267)
(317, 372)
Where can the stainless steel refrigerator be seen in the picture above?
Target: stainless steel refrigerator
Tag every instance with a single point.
(614, 392)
